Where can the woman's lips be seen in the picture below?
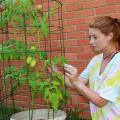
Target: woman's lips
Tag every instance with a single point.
(92, 46)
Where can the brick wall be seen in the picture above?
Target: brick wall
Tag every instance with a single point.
(77, 14)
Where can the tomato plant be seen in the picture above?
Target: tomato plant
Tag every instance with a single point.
(18, 13)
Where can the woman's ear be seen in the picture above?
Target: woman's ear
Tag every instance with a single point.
(110, 36)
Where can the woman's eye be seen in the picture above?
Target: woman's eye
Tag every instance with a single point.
(95, 37)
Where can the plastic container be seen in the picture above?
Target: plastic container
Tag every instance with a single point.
(40, 114)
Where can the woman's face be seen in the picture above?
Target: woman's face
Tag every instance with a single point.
(98, 41)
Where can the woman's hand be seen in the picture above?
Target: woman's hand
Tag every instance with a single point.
(71, 72)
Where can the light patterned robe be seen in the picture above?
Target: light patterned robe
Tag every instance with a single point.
(107, 85)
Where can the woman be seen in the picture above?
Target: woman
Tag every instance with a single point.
(102, 72)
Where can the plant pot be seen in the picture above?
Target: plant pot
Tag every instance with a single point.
(40, 114)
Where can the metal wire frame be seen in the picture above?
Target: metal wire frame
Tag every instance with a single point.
(6, 35)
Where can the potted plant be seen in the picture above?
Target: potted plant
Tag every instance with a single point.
(49, 85)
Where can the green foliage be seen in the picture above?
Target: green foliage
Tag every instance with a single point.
(73, 114)
(0, 2)
(16, 11)
(15, 50)
(22, 13)
(9, 110)
(48, 86)
(55, 61)
(12, 49)
(18, 75)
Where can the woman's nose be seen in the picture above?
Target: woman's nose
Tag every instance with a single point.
(91, 41)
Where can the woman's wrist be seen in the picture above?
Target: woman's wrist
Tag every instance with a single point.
(76, 83)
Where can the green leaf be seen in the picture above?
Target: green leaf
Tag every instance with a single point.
(59, 94)
(13, 89)
(63, 61)
(44, 25)
(33, 84)
(55, 83)
(56, 60)
(57, 77)
(54, 100)
(52, 11)
(31, 53)
(0, 2)
(7, 76)
(46, 93)
(1, 57)
(47, 63)
(42, 55)
(34, 75)
(45, 17)
(45, 29)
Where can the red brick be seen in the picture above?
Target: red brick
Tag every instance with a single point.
(83, 42)
(68, 15)
(22, 98)
(71, 55)
(84, 56)
(84, 12)
(88, 49)
(69, 28)
(73, 7)
(93, 4)
(118, 9)
(74, 21)
(22, 104)
(73, 91)
(112, 2)
(71, 42)
(81, 99)
(105, 10)
(72, 1)
(80, 69)
(77, 63)
(76, 35)
(75, 49)
(89, 19)
(85, 113)
(82, 27)
(54, 36)
(116, 15)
